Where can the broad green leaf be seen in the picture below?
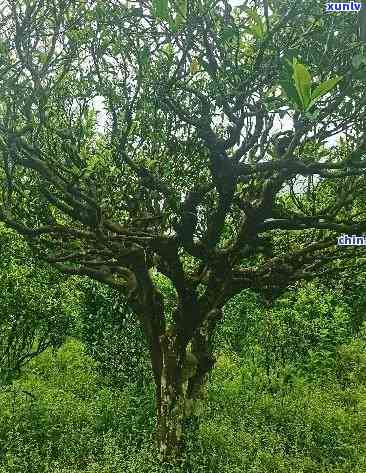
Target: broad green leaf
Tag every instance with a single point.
(160, 8)
(291, 93)
(302, 80)
(324, 88)
(181, 8)
(287, 85)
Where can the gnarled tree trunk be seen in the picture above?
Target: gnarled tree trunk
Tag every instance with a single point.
(171, 395)
(183, 374)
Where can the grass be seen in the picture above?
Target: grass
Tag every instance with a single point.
(248, 422)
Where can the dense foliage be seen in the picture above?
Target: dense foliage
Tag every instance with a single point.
(112, 337)
(287, 393)
(300, 416)
(35, 306)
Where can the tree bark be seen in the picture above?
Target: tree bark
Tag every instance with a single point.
(171, 393)
(183, 374)
(202, 348)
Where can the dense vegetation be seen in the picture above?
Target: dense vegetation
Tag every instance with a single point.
(287, 394)
(174, 177)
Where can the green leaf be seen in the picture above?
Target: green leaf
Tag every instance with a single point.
(288, 87)
(291, 93)
(291, 64)
(160, 9)
(302, 80)
(181, 8)
(325, 87)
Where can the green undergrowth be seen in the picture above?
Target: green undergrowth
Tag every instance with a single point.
(62, 417)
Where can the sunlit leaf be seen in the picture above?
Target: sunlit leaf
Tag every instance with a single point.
(302, 80)
(323, 89)
(288, 86)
